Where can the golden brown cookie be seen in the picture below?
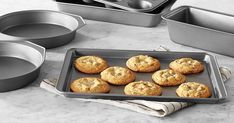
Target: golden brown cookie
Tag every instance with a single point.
(143, 63)
(90, 85)
(194, 90)
(90, 64)
(168, 77)
(118, 75)
(143, 88)
(186, 66)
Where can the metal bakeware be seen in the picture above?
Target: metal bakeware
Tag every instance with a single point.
(20, 64)
(210, 76)
(44, 27)
(202, 28)
(134, 5)
(88, 1)
(98, 11)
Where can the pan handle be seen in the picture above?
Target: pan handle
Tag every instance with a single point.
(39, 48)
(224, 71)
(80, 20)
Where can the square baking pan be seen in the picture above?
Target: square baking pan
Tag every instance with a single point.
(210, 76)
(202, 29)
(98, 11)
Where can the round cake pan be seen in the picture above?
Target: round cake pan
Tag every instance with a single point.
(44, 27)
(20, 64)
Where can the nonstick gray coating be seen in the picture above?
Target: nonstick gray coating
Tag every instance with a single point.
(20, 64)
(210, 76)
(43, 27)
(36, 30)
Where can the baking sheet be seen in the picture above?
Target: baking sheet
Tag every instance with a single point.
(210, 76)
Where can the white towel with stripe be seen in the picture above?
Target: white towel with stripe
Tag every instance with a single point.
(153, 108)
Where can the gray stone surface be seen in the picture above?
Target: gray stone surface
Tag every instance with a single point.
(33, 104)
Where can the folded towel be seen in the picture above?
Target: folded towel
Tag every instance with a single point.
(224, 6)
(153, 108)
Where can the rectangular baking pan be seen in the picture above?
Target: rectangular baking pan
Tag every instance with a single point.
(210, 76)
(134, 5)
(98, 11)
(202, 29)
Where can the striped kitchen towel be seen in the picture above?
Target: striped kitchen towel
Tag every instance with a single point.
(153, 108)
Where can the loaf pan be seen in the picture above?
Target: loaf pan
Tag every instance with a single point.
(97, 11)
(43, 27)
(202, 29)
(210, 76)
(20, 64)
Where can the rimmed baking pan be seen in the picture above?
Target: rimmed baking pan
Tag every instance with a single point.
(134, 5)
(210, 76)
(202, 29)
(20, 64)
(43, 27)
(98, 11)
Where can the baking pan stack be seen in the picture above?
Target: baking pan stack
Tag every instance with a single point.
(25, 35)
(145, 13)
(21, 60)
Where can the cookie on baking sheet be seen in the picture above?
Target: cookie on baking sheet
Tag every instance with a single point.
(168, 77)
(118, 75)
(143, 88)
(186, 66)
(143, 63)
(194, 90)
(90, 85)
(90, 64)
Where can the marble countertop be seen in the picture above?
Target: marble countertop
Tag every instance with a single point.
(33, 104)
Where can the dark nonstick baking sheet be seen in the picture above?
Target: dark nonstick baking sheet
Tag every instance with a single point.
(210, 76)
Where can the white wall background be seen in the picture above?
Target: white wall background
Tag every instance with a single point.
(225, 6)
(7, 6)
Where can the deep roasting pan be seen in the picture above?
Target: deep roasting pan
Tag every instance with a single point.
(202, 29)
(98, 11)
(134, 5)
